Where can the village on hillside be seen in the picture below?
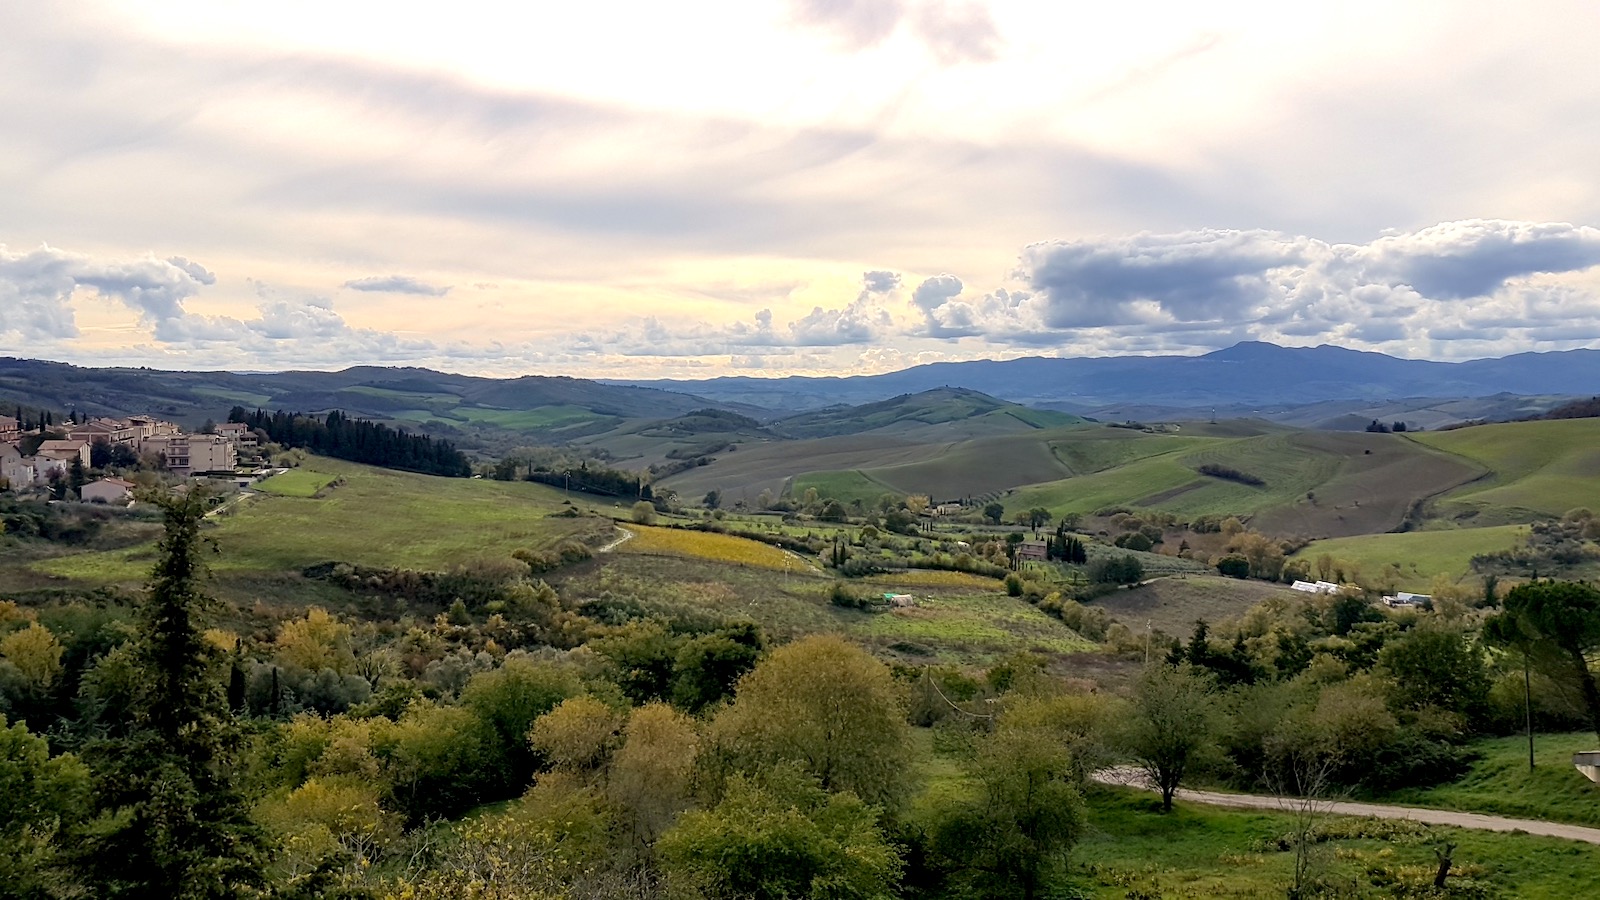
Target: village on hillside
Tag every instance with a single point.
(41, 457)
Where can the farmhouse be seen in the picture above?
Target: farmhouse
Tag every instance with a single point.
(107, 490)
(1032, 551)
(1405, 600)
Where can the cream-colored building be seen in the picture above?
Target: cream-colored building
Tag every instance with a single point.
(186, 454)
(147, 427)
(15, 469)
(238, 432)
(65, 451)
(9, 427)
(108, 431)
(107, 490)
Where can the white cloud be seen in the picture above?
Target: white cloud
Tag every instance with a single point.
(37, 288)
(396, 284)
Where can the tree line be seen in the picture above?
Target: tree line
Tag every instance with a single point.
(357, 440)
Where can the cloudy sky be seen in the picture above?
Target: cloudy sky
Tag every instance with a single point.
(802, 186)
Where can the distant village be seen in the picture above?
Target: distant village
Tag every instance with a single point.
(58, 458)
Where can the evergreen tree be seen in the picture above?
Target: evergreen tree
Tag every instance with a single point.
(171, 823)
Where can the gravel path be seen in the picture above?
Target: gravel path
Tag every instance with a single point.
(623, 536)
(1127, 777)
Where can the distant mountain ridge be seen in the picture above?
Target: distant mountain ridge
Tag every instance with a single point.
(1251, 372)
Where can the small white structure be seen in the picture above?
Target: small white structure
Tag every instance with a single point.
(1405, 600)
(900, 600)
(1588, 762)
(1315, 587)
(107, 490)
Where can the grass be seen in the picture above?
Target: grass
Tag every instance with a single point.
(422, 397)
(377, 517)
(1420, 555)
(934, 578)
(1132, 850)
(1172, 605)
(852, 484)
(301, 482)
(243, 398)
(710, 546)
(972, 628)
(1541, 468)
(527, 419)
(1500, 782)
(1129, 849)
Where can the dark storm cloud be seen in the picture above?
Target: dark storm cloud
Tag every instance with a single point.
(1459, 260)
(1194, 276)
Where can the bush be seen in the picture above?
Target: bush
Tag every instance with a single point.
(1234, 566)
(1125, 569)
(1228, 473)
(1134, 540)
(1013, 585)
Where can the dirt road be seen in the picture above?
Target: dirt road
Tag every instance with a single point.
(1130, 778)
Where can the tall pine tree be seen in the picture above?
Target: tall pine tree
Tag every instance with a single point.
(171, 823)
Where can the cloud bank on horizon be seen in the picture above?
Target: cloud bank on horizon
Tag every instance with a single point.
(810, 187)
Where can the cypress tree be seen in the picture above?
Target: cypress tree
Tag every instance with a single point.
(171, 823)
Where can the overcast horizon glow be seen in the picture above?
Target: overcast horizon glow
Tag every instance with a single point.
(803, 187)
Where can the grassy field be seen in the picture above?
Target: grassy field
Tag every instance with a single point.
(377, 517)
(527, 419)
(851, 484)
(965, 629)
(1129, 849)
(710, 546)
(1132, 850)
(1537, 468)
(1315, 484)
(1500, 782)
(1172, 605)
(1420, 555)
(301, 482)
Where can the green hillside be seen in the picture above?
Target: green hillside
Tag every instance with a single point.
(1313, 483)
(1418, 556)
(910, 411)
(1534, 468)
(371, 517)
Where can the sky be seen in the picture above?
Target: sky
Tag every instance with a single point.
(639, 190)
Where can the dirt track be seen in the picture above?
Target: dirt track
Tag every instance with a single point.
(1129, 778)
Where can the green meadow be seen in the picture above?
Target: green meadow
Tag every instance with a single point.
(375, 517)
(1545, 467)
(1419, 555)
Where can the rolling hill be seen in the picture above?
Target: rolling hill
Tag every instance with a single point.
(1251, 373)
(1533, 469)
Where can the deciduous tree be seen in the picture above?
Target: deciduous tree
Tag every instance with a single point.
(827, 706)
(1171, 725)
